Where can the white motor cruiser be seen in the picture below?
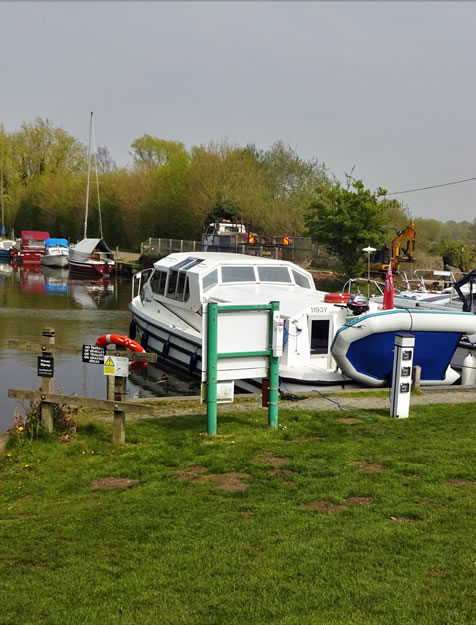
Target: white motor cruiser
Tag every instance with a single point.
(328, 339)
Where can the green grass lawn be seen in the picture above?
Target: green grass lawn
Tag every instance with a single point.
(367, 522)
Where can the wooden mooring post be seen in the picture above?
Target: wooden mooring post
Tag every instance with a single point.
(47, 385)
(116, 386)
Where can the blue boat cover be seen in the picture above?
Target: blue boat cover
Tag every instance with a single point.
(54, 242)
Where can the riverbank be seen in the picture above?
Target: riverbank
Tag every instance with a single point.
(335, 518)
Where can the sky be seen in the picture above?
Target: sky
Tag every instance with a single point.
(386, 88)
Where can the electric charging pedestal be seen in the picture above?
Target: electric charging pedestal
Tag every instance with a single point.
(402, 375)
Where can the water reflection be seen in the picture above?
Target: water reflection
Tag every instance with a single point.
(91, 293)
(5, 268)
(34, 297)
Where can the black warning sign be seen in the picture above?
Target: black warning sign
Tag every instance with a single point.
(93, 354)
(46, 366)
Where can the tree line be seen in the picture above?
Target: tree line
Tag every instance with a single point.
(168, 191)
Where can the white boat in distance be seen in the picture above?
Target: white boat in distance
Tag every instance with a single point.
(325, 344)
(56, 253)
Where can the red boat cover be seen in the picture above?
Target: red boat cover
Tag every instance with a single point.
(33, 235)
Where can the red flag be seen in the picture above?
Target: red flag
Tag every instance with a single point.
(389, 289)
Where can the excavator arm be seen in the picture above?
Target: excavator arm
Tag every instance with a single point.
(408, 253)
(381, 258)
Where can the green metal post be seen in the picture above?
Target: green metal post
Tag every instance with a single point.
(273, 375)
(212, 341)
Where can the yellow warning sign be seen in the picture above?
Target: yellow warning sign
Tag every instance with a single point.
(109, 366)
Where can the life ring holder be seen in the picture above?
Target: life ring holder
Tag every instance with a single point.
(118, 339)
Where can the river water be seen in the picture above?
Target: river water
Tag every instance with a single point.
(35, 297)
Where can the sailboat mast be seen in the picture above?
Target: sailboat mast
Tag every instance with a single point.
(89, 176)
(97, 182)
(2, 232)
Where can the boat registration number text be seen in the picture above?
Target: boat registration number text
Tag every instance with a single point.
(318, 309)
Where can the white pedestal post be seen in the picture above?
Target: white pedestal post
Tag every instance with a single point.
(402, 375)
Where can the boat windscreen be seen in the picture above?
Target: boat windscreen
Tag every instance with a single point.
(301, 280)
(210, 279)
(273, 274)
(237, 274)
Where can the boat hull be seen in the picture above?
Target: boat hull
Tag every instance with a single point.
(59, 261)
(91, 268)
(184, 351)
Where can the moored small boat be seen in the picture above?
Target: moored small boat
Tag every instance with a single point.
(32, 245)
(5, 248)
(91, 257)
(56, 253)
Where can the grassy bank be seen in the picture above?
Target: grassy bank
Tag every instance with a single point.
(327, 521)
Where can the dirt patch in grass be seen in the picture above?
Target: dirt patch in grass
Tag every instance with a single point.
(323, 506)
(348, 420)
(222, 481)
(401, 519)
(107, 483)
(370, 467)
(247, 514)
(190, 474)
(327, 506)
(282, 473)
(460, 482)
(274, 461)
(227, 481)
(358, 501)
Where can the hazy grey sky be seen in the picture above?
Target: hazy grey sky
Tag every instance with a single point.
(386, 86)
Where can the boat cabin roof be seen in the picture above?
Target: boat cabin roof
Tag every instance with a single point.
(193, 278)
(33, 235)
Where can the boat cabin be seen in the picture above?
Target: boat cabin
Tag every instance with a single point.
(32, 244)
(184, 282)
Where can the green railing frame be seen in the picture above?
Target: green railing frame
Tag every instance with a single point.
(213, 356)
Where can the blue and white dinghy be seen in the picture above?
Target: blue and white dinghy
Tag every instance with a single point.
(363, 347)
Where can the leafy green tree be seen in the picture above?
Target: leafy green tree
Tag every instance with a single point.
(346, 221)
(224, 209)
(39, 149)
(428, 233)
(456, 231)
(221, 172)
(458, 253)
(152, 152)
(290, 182)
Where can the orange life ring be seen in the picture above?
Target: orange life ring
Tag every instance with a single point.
(118, 339)
(336, 298)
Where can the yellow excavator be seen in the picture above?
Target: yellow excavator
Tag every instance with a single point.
(380, 260)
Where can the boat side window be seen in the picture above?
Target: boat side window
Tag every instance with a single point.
(301, 280)
(172, 283)
(157, 282)
(237, 274)
(182, 292)
(210, 279)
(274, 274)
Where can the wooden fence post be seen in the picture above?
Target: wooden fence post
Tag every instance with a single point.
(47, 408)
(119, 419)
(110, 387)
